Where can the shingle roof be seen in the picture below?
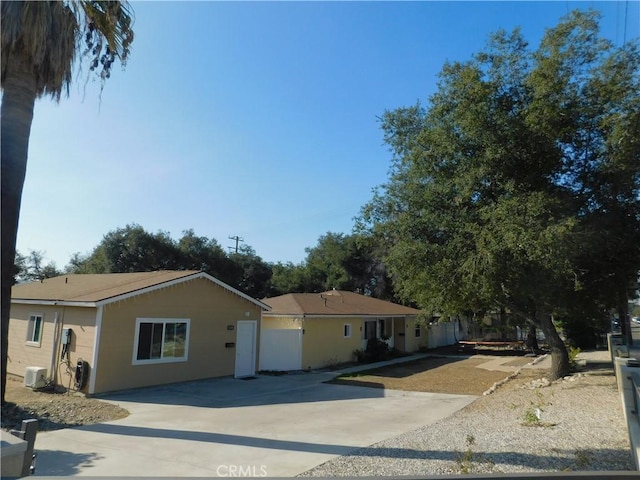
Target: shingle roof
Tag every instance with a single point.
(334, 302)
(93, 288)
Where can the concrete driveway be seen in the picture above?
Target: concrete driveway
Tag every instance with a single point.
(276, 426)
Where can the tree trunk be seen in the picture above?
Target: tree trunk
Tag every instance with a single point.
(559, 356)
(503, 324)
(532, 339)
(16, 115)
(623, 316)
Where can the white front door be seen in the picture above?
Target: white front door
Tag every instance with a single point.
(246, 348)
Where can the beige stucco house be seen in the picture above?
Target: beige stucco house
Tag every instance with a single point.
(316, 330)
(107, 332)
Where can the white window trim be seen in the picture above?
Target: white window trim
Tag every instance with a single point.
(418, 331)
(346, 330)
(29, 341)
(151, 361)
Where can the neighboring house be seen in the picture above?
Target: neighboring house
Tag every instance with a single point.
(315, 330)
(130, 330)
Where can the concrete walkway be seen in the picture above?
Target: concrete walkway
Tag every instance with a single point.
(276, 426)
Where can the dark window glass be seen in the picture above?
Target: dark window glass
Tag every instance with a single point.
(144, 341)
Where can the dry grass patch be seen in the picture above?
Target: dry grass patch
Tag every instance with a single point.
(432, 374)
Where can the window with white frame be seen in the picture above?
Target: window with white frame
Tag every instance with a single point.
(34, 329)
(418, 331)
(347, 330)
(161, 340)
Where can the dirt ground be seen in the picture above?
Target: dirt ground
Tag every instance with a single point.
(434, 374)
(54, 410)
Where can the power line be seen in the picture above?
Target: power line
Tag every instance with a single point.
(626, 14)
(617, 22)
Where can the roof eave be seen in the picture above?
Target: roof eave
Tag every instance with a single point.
(62, 303)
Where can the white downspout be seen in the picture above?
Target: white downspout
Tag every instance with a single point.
(54, 350)
(96, 348)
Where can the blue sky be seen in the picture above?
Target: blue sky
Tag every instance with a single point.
(253, 119)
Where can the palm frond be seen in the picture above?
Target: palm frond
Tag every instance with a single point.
(42, 35)
(112, 20)
(46, 36)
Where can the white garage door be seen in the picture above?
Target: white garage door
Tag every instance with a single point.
(280, 349)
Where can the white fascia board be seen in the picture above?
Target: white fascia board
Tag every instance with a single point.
(96, 351)
(178, 281)
(54, 303)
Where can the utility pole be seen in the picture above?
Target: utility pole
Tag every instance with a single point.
(238, 240)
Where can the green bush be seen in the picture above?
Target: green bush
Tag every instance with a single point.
(377, 350)
(573, 354)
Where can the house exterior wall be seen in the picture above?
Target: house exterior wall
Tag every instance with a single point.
(23, 354)
(324, 343)
(411, 342)
(211, 311)
(284, 323)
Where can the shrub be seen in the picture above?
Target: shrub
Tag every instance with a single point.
(359, 355)
(573, 354)
(377, 350)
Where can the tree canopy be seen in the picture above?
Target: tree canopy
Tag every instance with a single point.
(133, 249)
(519, 184)
(337, 261)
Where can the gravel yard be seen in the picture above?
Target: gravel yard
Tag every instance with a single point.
(526, 425)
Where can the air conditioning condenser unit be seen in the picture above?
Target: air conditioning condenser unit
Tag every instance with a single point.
(35, 377)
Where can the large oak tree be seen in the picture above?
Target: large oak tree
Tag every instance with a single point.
(518, 184)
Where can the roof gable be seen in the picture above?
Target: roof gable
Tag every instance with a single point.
(334, 302)
(104, 288)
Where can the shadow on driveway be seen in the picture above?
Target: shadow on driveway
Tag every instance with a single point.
(232, 393)
(219, 438)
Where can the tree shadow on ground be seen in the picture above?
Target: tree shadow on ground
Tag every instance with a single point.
(56, 463)
(561, 459)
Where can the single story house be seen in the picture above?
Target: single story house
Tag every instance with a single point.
(315, 330)
(106, 332)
